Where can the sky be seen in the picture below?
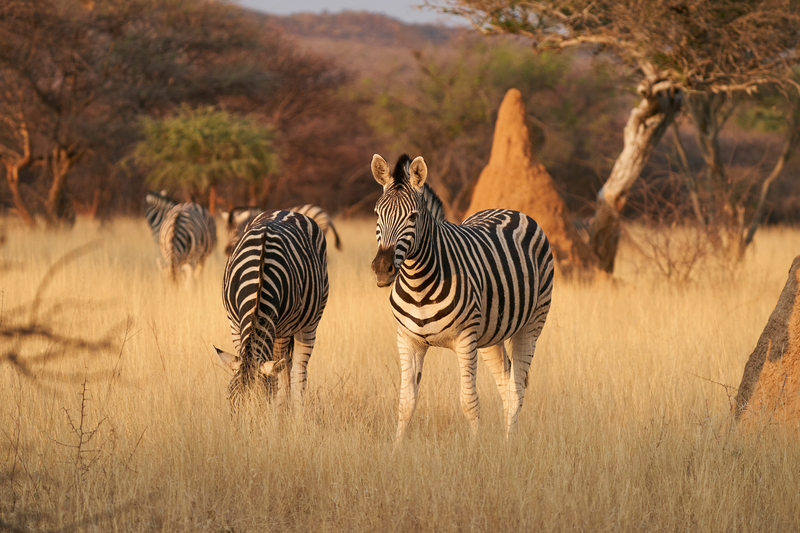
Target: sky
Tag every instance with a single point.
(400, 9)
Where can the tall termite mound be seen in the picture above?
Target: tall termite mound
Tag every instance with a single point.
(770, 388)
(515, 179)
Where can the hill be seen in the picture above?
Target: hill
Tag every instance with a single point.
(370, 45)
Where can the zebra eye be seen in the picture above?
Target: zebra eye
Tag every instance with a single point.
(412, 217)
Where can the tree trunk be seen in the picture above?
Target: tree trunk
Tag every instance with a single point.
(660, 104)
(705, 109)
(12, 176)
(792, 138)
(56, 208)
(14, 161)
(212, 199)
(691, 183)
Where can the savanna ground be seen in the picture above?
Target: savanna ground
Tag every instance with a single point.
(113, 413)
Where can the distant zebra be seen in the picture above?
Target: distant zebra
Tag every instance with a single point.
(238, 218)
(187, 237)
(469, 287)
(158, 205)
(584, 228)
(275, 288)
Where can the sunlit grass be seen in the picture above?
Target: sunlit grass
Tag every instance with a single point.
(625, 425)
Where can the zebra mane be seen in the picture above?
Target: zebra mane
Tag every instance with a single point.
(433, 203)
(400, 174)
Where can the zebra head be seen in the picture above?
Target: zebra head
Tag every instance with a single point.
(159, 199)
(397, 209)
(250, 379)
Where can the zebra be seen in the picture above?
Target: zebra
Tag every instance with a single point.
(483, 286)
(584, 228)
(275, 288)
(158, 205)
(187, 237)
(238, 218)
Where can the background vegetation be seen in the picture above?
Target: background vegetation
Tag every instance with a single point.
(334, 89)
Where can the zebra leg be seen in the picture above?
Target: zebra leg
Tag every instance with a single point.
(467, 352)
(303, 346)
(499, 365)
(280, 351)
(412, 355)
(522, 345)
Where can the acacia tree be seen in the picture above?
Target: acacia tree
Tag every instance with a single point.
(706, 49)
(196, 150)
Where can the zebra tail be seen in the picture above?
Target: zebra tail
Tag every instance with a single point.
(337, 242)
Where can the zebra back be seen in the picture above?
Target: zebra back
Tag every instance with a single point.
(239, 218)
(188, 236)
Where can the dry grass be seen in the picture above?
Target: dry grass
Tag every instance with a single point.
(118, 419)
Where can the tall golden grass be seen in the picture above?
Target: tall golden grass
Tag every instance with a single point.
(118, 420)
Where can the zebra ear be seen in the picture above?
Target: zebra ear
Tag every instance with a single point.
(270, 368)
(228, 359)
(226, 215)
(419, 172)
(380, 170)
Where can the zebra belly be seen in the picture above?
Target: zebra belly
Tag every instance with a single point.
(434, 326)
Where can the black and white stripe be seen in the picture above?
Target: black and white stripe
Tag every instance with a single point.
(158, 205)
(187, 237)
(238, 218)
(483, 286)
(275, 288)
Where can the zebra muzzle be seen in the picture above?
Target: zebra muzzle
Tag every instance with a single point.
(383, 267)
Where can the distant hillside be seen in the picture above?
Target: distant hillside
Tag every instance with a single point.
(372, 46)
(363, 27)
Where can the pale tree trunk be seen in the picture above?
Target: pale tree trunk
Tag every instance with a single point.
(56, 207)
(792, 138)
(661, 102)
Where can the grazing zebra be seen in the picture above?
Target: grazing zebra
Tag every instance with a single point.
(239, 217)
(187, 237)
(584, 228)
(469, 287)
(158, 205)
(275, 288)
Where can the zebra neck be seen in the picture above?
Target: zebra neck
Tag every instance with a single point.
(427, 263)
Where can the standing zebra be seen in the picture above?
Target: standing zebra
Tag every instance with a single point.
(239, 217)
(275, 288)
(158, 205)
(469, 287)
(187, 237)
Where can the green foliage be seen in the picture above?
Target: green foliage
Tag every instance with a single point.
(200, 148)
